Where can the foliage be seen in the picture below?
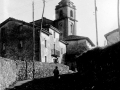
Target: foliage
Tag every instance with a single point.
(100, 68)
(75, 50)
(14, 33)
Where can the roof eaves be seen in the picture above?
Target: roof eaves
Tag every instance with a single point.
(71, 39)
(81, 38)
(63, 42)
(65, 18)
(55, 29)
(46, 32)
(24, 23)
(74, 37)
(13, 19)
(90, 41)
(7, 20)
(110, 32)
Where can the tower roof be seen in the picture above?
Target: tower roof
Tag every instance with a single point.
(65, 3)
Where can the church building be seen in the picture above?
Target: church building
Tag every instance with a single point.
(17, 40)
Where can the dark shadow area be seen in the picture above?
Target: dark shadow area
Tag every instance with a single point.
(63, 83)
(98, 69)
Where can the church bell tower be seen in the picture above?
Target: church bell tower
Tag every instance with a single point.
(66, 18)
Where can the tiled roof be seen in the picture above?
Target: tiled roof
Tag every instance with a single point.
(45, 22)
(75, 37)
(63, 3)
(116, 30)
(63, 42)
(24, 23)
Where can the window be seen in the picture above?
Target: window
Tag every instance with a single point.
(61, 14)
(61, 35)
(61, 50)
(3, 46)
(54, 46)
(60, 25)
(71, 28)
(45, 58)
(54, 34)
(71, 13)
(20, 45)
(3, 35)
(3, 50)
(45, 43)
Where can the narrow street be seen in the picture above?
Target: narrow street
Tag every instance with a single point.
(68, 81)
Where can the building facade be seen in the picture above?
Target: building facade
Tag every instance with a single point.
(49, 45)
(16, 42)
(52, 47)
(112, 37)
(76, 46)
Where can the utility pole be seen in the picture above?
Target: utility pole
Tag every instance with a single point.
(33, 37)
(96, 23)
(118, 19)
(41, 27)
(43, 12)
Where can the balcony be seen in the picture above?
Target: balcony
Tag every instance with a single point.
(55, 53)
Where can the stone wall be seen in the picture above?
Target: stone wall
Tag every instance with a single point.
(12, 71)
(8, 72)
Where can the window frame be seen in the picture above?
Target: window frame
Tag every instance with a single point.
(61, 50)
(72, 28)
(54, 34)
(45, 58)
(45, 43)
(71, 13)
(61, 14)
(3, 46)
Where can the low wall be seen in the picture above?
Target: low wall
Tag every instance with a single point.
(12, 71)
(8, 72)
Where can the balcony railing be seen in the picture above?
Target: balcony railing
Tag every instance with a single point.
(55, 53)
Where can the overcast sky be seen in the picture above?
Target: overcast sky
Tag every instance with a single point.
(107, 14)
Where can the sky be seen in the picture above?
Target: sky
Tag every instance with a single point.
(85, 14)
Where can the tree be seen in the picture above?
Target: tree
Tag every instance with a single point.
(18, 41)
(100, 67)
(73, 51)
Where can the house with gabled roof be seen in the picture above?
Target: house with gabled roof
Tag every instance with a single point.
(16, 38)
(112, 37)
(17, 42)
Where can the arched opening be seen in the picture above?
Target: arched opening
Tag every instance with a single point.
(71, 13)
(72, 28)
(61, 14)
